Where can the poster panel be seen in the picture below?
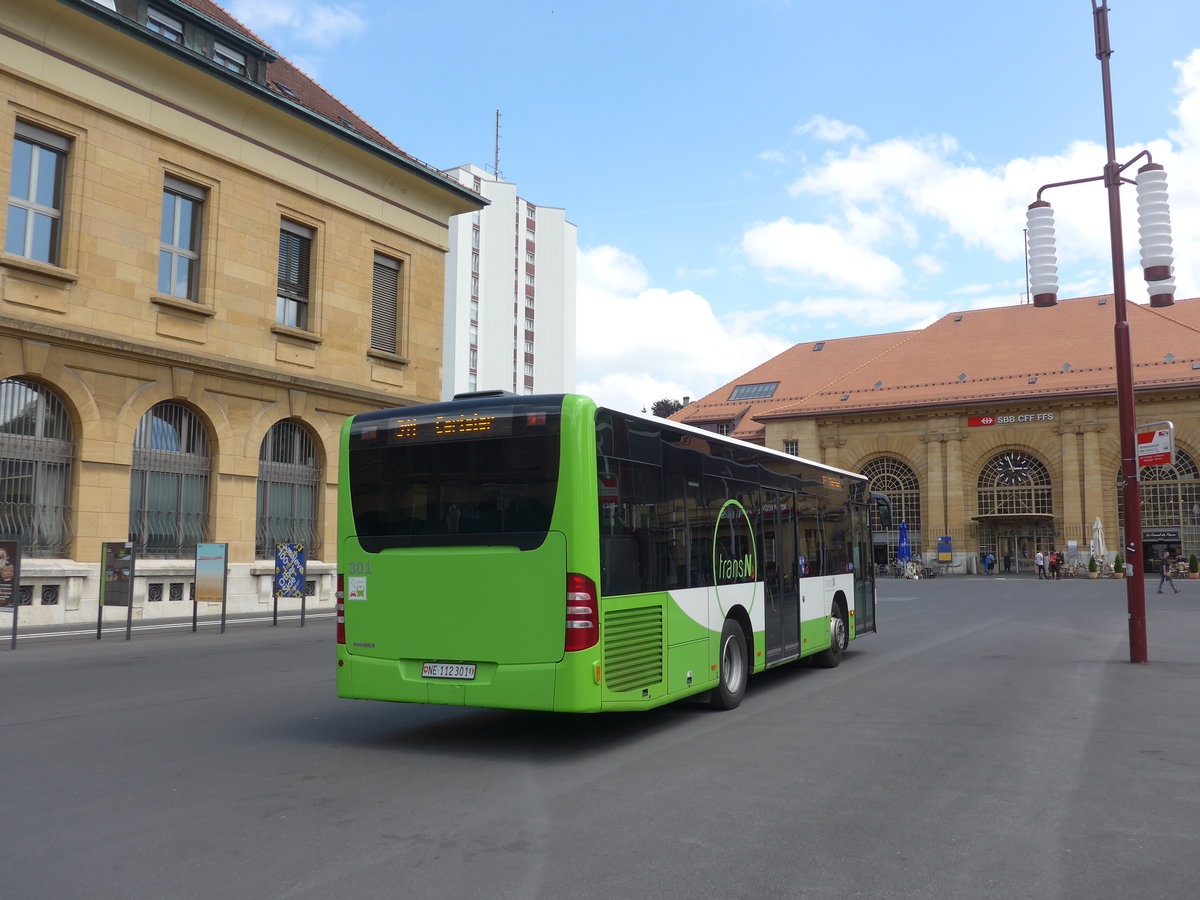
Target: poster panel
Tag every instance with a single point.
(116, 587)
(210, 572)
(10, 574)
(290, 570)
(945, 551)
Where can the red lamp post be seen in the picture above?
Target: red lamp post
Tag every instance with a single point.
(1154, 216)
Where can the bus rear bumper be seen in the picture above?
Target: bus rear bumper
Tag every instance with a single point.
(494, 686)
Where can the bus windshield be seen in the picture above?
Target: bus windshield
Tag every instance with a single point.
(454, 476)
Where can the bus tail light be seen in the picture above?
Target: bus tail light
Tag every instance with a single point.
(583, 613)
(341, 609)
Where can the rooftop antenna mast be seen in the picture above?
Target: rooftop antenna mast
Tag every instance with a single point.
(496, 156)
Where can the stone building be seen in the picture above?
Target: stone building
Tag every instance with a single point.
(995, 428)
(208, 264)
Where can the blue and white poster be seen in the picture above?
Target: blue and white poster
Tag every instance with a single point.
(290, 570)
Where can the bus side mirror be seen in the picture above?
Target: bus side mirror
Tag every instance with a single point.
(884, 507)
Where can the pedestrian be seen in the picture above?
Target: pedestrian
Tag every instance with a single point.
(991, 562)
(1054, 563)
(1039, 560)
(1164, 564)
(1007, 563)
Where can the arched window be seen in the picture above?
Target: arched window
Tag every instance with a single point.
(1170, 507)
(168, 495)
(288, 476)
(890, 476)
(36, 449)
(1015, 484)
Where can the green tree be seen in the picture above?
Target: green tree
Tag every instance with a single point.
(666, 407)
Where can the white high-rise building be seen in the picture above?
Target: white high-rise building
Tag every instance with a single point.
(510, 294)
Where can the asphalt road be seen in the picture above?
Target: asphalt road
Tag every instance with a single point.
(992, 741)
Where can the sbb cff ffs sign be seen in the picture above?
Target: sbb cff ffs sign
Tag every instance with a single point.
(1013, 419)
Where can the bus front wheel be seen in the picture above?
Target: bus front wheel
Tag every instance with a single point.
(733, 668)
(839, 637)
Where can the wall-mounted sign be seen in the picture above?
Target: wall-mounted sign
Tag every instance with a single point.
(1156, 444)
(1151, 535)
(1010, 419)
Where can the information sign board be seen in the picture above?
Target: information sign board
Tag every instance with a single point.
(1156, 444)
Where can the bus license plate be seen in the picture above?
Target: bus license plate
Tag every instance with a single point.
(465, 671)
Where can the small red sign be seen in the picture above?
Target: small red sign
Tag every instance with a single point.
(608, 490)
(981, 420)
(1154, 447)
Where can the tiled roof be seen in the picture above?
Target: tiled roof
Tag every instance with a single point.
(976, 356)
(308, 93)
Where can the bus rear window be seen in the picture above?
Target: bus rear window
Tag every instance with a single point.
(443, 476)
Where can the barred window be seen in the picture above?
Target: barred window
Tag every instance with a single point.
(288, 478)
(1170, 500)
(895, 479)
(36, 449)
(169, 483)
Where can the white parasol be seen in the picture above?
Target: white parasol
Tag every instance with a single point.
(1098, 549)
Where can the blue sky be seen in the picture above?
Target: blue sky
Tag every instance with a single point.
(749, 174)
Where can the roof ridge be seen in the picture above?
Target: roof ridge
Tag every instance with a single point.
(1157, 310)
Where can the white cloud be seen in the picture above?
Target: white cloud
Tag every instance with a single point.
(928, 264)
(871, 315)
(972, 289)
(886, 197)
(307, 21)
(638, 344)
(822, 252)
(831, 130)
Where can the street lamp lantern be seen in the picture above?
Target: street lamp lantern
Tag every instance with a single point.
(1043, 263)
(1154, 220)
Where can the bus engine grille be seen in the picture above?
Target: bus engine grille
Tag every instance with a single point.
(633, 648)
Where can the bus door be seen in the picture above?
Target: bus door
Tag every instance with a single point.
(778, 553)
(864, 571)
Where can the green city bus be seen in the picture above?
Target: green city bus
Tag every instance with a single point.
(545, 553)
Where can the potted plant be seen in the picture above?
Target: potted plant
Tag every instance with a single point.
(1193, 567)
(1119, 566)
(1093, 567)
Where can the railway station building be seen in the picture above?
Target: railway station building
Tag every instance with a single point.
(993, 430)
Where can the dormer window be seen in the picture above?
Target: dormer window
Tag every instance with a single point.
(285, 90)
(226, 56)
(162, 24)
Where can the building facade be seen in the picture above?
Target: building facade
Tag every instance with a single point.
(996, 429)
(510, 294)
(208, 264)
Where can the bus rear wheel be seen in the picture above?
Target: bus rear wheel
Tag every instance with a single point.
(839, 637)
(733, 668)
